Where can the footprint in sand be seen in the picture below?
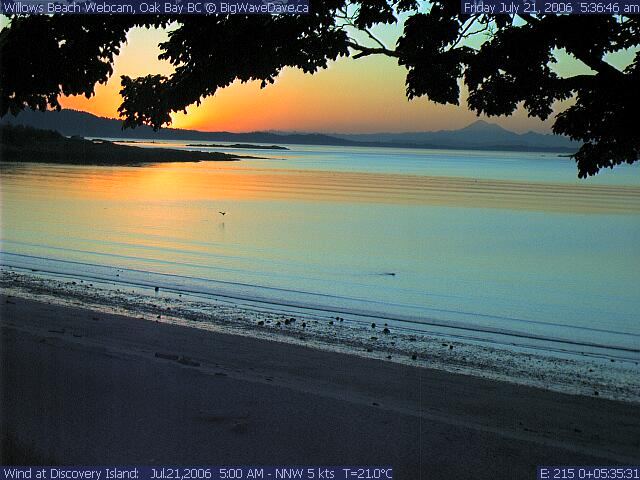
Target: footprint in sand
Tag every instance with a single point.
(237, 423)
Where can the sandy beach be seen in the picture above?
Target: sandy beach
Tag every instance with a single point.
(85, 387)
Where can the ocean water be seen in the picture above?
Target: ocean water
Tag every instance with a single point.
(496, 247)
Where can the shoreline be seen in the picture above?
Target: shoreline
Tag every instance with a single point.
(25, 145)
(599, 377)
(107, 388)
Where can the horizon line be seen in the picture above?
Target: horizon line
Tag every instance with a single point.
(298, 132)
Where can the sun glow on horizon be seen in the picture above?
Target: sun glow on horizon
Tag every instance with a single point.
(350, 96)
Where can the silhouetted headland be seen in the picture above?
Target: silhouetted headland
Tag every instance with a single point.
(25, 144)
(248, 146)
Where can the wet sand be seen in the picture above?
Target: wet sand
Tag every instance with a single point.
(84, 387)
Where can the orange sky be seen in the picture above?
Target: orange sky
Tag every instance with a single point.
(365, 95)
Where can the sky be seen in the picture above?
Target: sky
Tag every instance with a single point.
(350, 96)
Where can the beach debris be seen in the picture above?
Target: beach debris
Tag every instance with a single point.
(304, 325)
(159, 316)
(330, 322)
(261, 323)
(220, 374)
(157, 289)
(167, 356)
(414, 357)
(277, 324)
(369, 350)
(389, 274)
(287, 322)
(388, 357)
(10, 302)
(450, 347)
(61, 331)
(373, 325)
(187, 361)
(240, 427)
(374, 338)
(77, 335)
(222, 213)
(596, 393)
(386, 331)
(292, 320)
(375, 404)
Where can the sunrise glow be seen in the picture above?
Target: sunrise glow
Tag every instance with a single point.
(344, 98)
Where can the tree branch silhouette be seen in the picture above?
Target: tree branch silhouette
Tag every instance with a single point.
(510, 65)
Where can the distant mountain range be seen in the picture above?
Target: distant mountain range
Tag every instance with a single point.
(480, 135)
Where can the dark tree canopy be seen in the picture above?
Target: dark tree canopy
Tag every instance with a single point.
(512, 67)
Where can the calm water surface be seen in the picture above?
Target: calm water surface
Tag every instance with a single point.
(508, 246)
